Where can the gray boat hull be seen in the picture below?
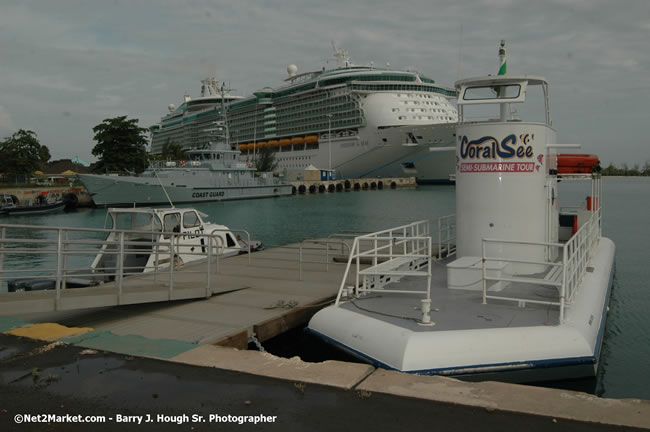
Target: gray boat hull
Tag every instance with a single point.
(127, 191)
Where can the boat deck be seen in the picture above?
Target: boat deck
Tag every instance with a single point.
(457, 309)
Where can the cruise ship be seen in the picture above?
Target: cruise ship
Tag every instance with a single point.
(361, 121)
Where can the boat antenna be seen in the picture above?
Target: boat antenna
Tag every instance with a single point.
(224, 115)
(502, 58)
(460, 53)
(153, 167)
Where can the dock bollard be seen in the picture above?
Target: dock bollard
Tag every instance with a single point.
(426, 309)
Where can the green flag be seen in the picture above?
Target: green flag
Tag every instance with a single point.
(502, 68)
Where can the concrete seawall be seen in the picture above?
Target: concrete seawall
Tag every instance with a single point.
(331, 395)
(27, 194)
(320, 186)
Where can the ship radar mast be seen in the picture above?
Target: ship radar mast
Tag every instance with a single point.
(217, 88)
(212, 87)
(342, 57)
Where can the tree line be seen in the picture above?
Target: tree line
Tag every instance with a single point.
(120, 147)
(636, 170)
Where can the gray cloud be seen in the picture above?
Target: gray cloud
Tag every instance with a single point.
(67, 65)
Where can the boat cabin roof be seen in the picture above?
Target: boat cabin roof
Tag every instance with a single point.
(160, 212)
(496, 88)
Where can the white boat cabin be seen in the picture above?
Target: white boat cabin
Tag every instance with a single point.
(148, 234)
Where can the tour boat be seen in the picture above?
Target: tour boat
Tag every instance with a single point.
(518, 288)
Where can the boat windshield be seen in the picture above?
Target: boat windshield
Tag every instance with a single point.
(136, 222)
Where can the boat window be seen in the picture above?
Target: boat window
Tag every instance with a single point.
(230, 241)
(218, 155)
(191, 219)
(172, 222)
(508, 91)
(135, 222)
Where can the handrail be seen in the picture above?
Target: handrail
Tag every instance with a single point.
(446, 235)
(411, 241)
(73, 255)
(574, 255)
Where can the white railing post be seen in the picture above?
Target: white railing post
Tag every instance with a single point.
(59, 265)
(484, 272)
(120, 267)
(248, 236)
(374, 260)
(156, 259)
(429, 269)
(356, 246)
(208, 282)
(219, 247)
(171, 265)
(65, 257)
(3, 235)
(300, 262)
(564, 282)
(327, 255)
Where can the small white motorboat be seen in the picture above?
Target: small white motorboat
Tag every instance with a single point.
(520, 287)
(189, 246)
(143, 240)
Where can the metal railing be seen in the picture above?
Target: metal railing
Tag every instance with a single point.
(311, 247)
(565, 271)
(64, 256)
(446, 236)
(404, 243)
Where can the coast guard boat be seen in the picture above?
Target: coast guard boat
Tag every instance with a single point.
(521, 292)
(209, 174)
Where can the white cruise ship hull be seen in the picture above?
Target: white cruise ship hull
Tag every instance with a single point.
(425, 152)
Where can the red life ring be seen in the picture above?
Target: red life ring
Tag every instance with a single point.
(250, 165)
(182, 164)
(576, 163)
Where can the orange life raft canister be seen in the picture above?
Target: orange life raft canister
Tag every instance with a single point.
(576, 163)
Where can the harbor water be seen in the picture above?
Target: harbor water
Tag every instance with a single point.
(624, 370)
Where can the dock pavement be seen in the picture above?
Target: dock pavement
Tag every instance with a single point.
(183, 366)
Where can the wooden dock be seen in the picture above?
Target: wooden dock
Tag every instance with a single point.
(277, 291)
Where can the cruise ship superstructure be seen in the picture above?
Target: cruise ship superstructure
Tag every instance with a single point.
(357, 120)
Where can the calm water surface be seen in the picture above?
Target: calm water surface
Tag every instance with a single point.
(625, 364)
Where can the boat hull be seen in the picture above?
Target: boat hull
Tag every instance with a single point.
(518, 354)
(116, 191)
(425, 152)
(33, 210)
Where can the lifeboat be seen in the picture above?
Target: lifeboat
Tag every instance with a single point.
(576, 163)
(260, 145)
(311, 139)
(297, 140)
(272, 143)
(284, 142)
(243, 147)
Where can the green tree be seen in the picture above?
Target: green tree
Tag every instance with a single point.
(265, 161)
(121, 145)
(173, 151)
(21, 154)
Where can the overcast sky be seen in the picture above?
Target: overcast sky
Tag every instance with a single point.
(66, 65)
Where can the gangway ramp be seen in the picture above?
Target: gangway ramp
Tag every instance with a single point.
(277, 290)
(135, 289)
